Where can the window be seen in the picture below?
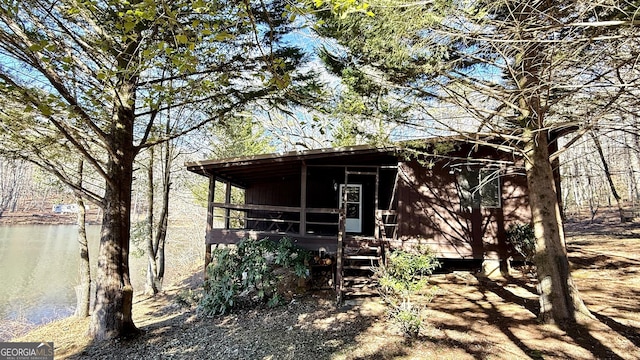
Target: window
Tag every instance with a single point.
(479, 188)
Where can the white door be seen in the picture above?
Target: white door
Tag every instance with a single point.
(353, 207)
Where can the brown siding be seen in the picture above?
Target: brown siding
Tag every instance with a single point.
(320, 186)
(283, 191)
(430, 213)
(427, 200)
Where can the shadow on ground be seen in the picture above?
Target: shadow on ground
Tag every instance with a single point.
(471, 318)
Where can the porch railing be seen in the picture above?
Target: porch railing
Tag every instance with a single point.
(386, 224)
(272, 218)
(286, 219)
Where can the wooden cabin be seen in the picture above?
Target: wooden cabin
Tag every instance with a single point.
(355, 204)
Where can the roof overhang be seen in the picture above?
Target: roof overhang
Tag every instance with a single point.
(247, 170)
(250, 169)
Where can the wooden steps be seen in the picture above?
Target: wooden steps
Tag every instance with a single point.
(358, 267)
(362, 257)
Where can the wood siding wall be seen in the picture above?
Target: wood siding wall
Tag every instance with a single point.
(430, 213)
(283, 191)
(426, 200)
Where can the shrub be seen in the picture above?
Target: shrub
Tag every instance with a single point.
(188, 298)
(406, 272)
(405, 275)
(408, 317)
(523, 240)
(244, 275)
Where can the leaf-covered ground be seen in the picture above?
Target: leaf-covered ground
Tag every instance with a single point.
(470, 318)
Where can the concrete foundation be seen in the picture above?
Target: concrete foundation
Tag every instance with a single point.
(495, 268)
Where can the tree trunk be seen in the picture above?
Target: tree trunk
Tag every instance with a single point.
(152, 270)
(163, 221)
(83, 290)
(607, 174)
(114, 298)
(161, 235)
(559, 297)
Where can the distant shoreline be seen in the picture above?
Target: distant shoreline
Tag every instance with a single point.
(42, 218)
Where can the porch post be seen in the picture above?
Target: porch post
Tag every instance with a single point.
(303, 199)
(377, 219)
(209, 234)
(341, 235)
(227, 200)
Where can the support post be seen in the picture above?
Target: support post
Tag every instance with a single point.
(227, 200)
(207, 261)
(341, 235)
(339, 255)
(377, 221)
(210, 219)
(303, 199)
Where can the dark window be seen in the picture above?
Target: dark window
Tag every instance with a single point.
(479, 188)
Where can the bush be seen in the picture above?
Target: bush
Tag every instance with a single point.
(408, 317)
(188, 298)
(406, 272)
(244, 275)
(405, 275)
(523, 240)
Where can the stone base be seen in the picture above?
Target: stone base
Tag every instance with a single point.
(495, 268)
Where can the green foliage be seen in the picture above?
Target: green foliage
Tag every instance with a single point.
(188, 298)
(239, 136)
(343, 8)
(523, 240)
(182, 63)
(404, 276)
(345, 133)
(288, 255)
(409, 317)
(244, 275)
(139, 236)
(406, 272)
(392, 41)
(200, 191)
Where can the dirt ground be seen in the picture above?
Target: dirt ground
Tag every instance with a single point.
(470, 318)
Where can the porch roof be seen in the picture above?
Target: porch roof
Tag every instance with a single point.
(247, 170)
(251, 169)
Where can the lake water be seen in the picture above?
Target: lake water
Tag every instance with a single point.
(39, 270)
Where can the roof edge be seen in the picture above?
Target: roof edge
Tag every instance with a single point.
(301, 154)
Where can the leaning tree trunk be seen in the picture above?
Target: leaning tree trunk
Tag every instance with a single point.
(83, 290)
(607, 174)
(163, 221)
(559, 297)
(161, 236)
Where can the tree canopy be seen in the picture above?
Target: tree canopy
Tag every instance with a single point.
(519, 72)
(93, 78)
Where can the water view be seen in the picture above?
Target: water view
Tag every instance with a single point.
(39, 271)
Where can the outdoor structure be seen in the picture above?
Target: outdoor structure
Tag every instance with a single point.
(353, 205)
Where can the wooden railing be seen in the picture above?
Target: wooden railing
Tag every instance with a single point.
(386, 224)
(287, 219)
(275, 218)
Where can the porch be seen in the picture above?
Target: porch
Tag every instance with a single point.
(240, 221)
(348, 201)
(350, 254)
(331, 202)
